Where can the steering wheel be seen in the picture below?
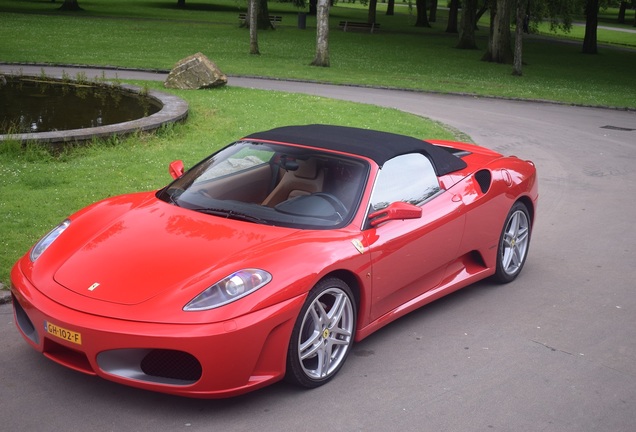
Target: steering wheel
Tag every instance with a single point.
(338, 206)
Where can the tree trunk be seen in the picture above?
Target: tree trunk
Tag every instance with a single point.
(252, 19)
(390, 7)
(322, 34)
(591, 25)
(481, 11)
(621, 12)
(517, 64)
(499, 46)
(432, 16)
(263, 15)
(422, 19)
(467, 25)
(492, 12)
(453, 11)
(70, 5)
(373, 6)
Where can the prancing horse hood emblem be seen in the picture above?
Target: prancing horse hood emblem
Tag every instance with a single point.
(92, 287)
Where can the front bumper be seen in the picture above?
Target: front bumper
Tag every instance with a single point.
(205, 360)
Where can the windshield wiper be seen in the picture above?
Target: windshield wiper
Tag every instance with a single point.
(170, 195)
(231, 214)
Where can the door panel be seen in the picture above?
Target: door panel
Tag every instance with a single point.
(409, 257)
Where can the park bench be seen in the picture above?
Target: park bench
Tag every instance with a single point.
(352, 25)
(273, 19)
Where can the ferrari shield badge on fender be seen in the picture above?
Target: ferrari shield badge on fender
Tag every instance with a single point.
(92, 287)
(358, 245)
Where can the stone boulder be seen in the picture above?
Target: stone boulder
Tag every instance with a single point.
(195, 72)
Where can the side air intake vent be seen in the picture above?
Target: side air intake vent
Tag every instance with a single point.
(484, 179)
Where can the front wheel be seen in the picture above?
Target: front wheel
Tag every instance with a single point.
(513, 244)
(323, 334)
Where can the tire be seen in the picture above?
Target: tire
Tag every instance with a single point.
(514, 243)
(323, 334)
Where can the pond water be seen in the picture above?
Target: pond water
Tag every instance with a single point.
(34, 105)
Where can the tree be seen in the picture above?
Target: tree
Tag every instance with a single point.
(322, 34)
(499, 44)
(517, 63)
(70, 5)
(263, 15)
(622, 8)
(373, 6)
(591, 25)
(432, 16)
(482, 10)
(390, 7)
(453, 11)
(422, 19)
(252, 18)
(467, 25)
(558, 13)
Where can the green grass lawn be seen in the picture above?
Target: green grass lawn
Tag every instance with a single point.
(155, 34)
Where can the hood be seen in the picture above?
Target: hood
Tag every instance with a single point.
(155, 247)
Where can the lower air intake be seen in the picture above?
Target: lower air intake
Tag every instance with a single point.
(171, 364)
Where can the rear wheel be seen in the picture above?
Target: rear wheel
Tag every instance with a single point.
(513, 244)
(323, 334)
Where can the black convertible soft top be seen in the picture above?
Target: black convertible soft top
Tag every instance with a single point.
(376, 145)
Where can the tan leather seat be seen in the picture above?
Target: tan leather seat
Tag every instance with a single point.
(307, 179)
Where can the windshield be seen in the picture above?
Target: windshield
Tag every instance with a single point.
(273, 184)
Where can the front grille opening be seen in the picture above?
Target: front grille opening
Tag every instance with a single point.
(23, 321)
(67, 357)
(171, 364)
(161, 366)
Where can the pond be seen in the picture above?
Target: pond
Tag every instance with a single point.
(41, 105)
(49, 110)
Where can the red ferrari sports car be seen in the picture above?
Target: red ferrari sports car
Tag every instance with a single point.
(268, 259)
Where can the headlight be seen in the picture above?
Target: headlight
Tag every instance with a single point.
(229, 289)
(46, 241)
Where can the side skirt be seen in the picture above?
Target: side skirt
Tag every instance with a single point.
(461, 273)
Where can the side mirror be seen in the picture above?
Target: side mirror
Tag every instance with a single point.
(397, 210)
(176, 169)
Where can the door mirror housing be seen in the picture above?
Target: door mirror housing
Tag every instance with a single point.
(397, 210)
(176, 169)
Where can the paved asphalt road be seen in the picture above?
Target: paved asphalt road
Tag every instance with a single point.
(553, 351)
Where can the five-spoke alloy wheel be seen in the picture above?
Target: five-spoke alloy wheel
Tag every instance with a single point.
(323, 334)
(513, 244)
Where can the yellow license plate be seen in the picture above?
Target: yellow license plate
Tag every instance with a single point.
(63, 333)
